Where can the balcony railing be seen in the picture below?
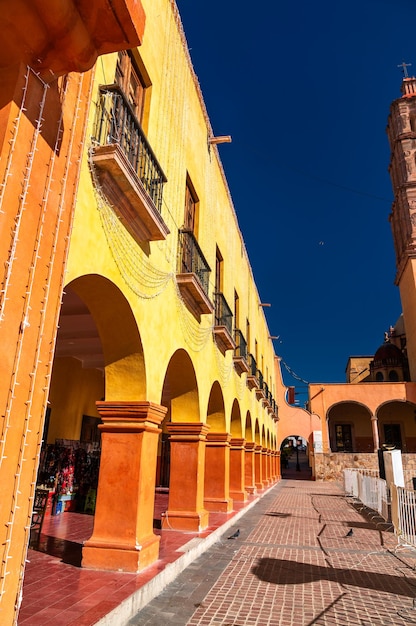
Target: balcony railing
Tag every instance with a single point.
(252, 380)
(223, 326)
(252, 365)
(240, 352)
(223, 313)
(191, 259)
(260, 391)
(116, 123)
(240, 345)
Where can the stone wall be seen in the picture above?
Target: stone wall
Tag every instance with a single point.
(329, 466)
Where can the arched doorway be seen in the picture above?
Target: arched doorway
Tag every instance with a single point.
(294, 458)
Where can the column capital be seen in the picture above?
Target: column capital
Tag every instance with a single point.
(237, 443)
(187, 431)
(249, 446)
(220, 438)
(127, 416)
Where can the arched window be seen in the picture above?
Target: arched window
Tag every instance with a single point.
(393, 376)
(379, 377)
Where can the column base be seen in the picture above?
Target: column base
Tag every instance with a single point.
(259, 486)
(217, 505)
(252, 490)
(239, 496)
(124, 558)
(185, 520)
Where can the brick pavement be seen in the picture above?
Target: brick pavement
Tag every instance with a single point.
(292, 565)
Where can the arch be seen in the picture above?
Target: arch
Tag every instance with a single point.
(123, 358)
(236, 426)
(215, 410)
(248, 428)
(349, 426)
(257, 437)
(263, 436)
(397, 424)
(180, 389)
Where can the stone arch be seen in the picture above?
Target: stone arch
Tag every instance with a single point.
(263, 436)
(349, 427)
(397, 424)
(125, 373)
(98, 356)
(180, 389)
(249, 428)
(216, 410)
(257, 436)
(236, 425)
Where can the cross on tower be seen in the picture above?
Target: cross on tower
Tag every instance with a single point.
(404, 67)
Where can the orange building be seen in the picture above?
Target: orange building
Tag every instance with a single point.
(43, 112)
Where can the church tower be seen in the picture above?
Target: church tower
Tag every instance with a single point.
(401, 131)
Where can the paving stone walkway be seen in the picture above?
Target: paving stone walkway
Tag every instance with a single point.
(293, 565)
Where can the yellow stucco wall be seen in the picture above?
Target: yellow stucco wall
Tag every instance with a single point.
(177, 128)
(73, 394)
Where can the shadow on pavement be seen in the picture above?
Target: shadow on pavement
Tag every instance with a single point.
(284, 572)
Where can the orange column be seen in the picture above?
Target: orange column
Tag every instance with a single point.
(249, 473)
(123, 537)
(217, 473)
(274, 465)
(186, 486)
(265, 467)
(237, 470)
(258, 467)
(278, 466)
(272, 458)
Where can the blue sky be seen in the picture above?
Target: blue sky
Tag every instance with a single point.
(304, 89)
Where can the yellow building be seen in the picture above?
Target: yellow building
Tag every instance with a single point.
(161, 322)
(158, 368)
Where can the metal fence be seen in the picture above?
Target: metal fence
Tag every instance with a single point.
(403, 515)
(374, 493)
(366, 486)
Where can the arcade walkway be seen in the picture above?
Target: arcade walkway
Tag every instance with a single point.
(292, 564)
(295, 563)
(58, 592)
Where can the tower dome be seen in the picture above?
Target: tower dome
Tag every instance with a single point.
(388, 364)
(388, 355)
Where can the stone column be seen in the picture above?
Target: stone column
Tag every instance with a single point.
(217, 473)
(278, 466)
(265, 468)
(249, 473)
(374, 426)
(258, 467)
(186, 486)
(123, 537)
(272, 465)
(237, 470)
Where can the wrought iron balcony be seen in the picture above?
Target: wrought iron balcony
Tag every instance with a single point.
(240, 352)
(223, 328)
(193, 275)
(128, 169)
(260, 391)
(266, 399)
(252, 380)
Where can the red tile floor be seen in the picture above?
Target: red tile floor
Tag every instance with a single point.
(58, 591)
